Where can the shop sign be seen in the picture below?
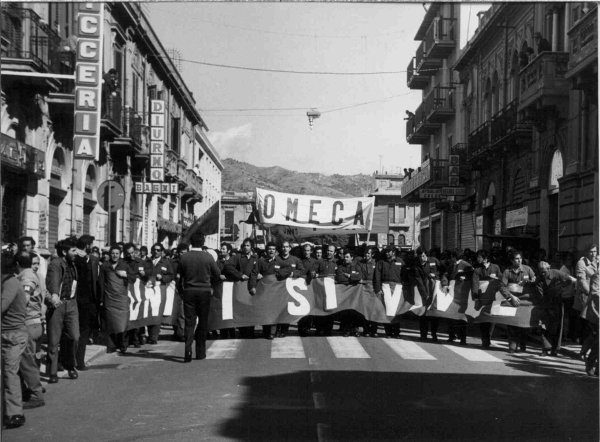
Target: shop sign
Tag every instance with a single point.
(497, 227)
(425, 223)
(517, 218)
(157, 140)
(88, 80)
(165, 188)
(479, 225)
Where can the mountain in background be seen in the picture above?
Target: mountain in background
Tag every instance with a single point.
(243, 177)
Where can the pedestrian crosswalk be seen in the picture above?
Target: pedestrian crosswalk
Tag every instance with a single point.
(294, 347)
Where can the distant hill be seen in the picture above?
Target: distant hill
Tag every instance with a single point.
(243, 177)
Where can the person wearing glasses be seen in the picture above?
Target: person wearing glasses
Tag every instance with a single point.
(162, 275)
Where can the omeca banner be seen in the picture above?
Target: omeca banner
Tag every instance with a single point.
(318, 214)
(289, 300)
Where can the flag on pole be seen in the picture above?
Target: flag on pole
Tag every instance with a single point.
(207, 224)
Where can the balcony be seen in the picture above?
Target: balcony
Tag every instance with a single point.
(426, 65)
(440, 38)
(171, 162)
(112, 114)
(21, 157)
(417, 128)
(583, 38)
(414, 80)
(543, 84)
(192, 184)
(28, 44)
(507, 130)
(439, 104)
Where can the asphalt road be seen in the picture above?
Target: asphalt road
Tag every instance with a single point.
(320, 389)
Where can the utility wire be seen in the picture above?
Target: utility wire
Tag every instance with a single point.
(291, 71)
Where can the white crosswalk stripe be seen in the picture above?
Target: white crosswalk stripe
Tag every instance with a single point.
(473, 354)
(408, 349)
(289, 347)
(224, 349)
(349, 348)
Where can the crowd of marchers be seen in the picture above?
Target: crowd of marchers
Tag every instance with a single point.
(79, 295)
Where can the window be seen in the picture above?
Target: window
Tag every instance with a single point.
(396, 213)
(175, 134)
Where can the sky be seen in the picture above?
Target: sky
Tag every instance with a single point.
(260, 117)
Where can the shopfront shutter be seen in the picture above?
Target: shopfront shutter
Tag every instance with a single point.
(436, 233)
(425, 243)
(53, 221)
(467, 231)
(450, 231)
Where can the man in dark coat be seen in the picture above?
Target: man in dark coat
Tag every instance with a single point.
(391, 270)
(88, 295)
(246, 264)
(61, 284)
(198, 272)
(162, 275)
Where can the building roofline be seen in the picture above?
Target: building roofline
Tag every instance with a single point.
(161, 60)
(208, 147)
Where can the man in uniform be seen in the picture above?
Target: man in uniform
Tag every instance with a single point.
(391, 270)
(198, 272)
(349, 273)
(310, 265)
(327, 268)
(137, 268)
(485, 271)
(290, 266)
(368, 265)
(267, 265)
(162, 275)
(246, 264)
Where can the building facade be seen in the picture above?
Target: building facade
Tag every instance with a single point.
(523, 132)
(47, 192)
(435, 126)
(236, 208)
(395, 221)
(531, 119)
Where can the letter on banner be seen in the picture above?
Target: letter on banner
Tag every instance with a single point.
(170, 298)
(136, 300)
(391, 300)
(471, 310)
(500, 310)
(303, 308)
(442, 299)
(330, 298)
(418, 307)
(153, 296)
(227, 300)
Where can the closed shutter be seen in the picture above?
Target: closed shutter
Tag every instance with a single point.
(425, 239)
(53, 221)
(436, 234)
(467, 232)
(450, 231)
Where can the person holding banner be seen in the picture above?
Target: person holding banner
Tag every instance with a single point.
(368, 265)
(137, 268)
(228, 265)
(289, 266)
(245, 265)
(349, 273)
(114, 285)
(517, 285)
(198, 272)
(550, 286)
(326, 269)
(310, 265)
(425, 274)
(461, 273)
(161, 277)
(485, 271)
(392, 271)
(265, 266)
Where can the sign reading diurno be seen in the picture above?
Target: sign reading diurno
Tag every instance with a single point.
(157, 140)
(88, 80)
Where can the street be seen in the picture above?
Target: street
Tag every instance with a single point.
(321, 388)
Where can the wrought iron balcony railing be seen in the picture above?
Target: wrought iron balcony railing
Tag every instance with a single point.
(583, 38)
(27, 39)
(21, 156)
(543, 80)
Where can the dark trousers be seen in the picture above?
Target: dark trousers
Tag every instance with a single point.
(304, 325)
(246, 332)
(551, 329)
(196, 306)
(64, 317)
(269, 330)
(350, 320)
(457, 329)
(324, 325)
(517, 337)
(485, 329)
(426, 324)
(153, 332)
(14, 343)
(117, 340)
(88, 322)
(29, 368)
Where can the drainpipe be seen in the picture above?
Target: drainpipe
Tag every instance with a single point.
(73, 186)
(555, 30)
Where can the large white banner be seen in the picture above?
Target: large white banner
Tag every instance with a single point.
(316, 213)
